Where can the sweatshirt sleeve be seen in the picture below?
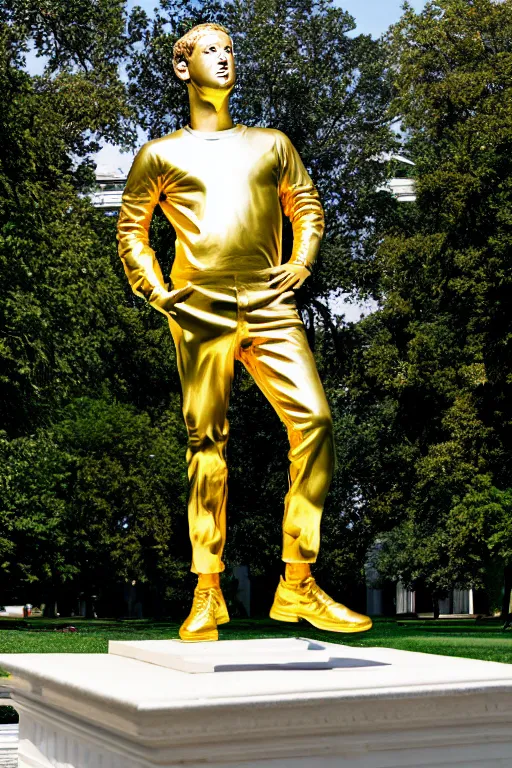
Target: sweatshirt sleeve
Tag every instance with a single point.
(301, 203)
(141, 195)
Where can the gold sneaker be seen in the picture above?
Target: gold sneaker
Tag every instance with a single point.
(208, 610)
(305, 600)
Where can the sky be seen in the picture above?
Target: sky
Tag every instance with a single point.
(372, 16)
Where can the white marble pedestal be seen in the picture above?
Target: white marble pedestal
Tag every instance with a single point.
(377, 708)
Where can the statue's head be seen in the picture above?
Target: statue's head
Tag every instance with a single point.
(203, 58)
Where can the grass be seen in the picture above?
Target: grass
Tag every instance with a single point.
(451, 637)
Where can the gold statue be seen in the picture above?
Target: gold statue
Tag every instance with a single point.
(222, 186)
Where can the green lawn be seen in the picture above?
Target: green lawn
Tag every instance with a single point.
(485, 640)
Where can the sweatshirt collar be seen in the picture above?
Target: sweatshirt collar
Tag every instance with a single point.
(215, 135)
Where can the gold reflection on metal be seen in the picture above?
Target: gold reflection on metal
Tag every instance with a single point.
(230, 298)
(223, 196)
(305, 600)
(207, 612)
(222, 192)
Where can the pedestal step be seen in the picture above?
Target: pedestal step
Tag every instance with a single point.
(8, 746)
(230, 655)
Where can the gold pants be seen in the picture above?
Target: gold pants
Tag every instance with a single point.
(238, 316)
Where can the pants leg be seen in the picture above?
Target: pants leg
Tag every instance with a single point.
(284, 368)
(205, 363)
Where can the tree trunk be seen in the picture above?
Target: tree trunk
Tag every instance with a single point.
(507, 589)
(50, 608)
(310, 329)
(90, 601)
(435, 606)
(329, 325)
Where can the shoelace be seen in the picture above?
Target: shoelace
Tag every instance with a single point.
(314, 589)
(202, 597)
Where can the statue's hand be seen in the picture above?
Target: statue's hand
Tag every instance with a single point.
(164, 301)
(289, 276)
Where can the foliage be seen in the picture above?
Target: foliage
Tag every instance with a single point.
(58, 316)
(75, 463)
(99, 496)
(83, 43)
(438, 345)
(34, 474)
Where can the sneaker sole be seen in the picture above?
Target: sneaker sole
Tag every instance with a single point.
(200, 637)
(278, 616)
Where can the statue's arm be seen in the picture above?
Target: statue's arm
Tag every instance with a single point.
(301, 204)
(141, 195)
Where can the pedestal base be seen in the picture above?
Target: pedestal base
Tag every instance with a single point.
(377, 708)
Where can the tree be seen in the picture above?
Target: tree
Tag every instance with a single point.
(445, 319)
(55, 314)
(33, 547)
(98, 500)
(126, 506)
(71, 333)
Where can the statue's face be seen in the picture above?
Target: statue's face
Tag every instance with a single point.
(212, 64)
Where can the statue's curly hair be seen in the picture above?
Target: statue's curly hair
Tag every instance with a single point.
(184, 47)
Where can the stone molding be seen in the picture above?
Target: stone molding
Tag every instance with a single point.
(77, 717)
(267, 731)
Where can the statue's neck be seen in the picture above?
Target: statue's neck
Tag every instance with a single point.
(209, 108)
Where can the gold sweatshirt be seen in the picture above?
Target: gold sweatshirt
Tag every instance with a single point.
(222, 192)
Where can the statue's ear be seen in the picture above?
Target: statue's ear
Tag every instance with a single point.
(181, 71)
